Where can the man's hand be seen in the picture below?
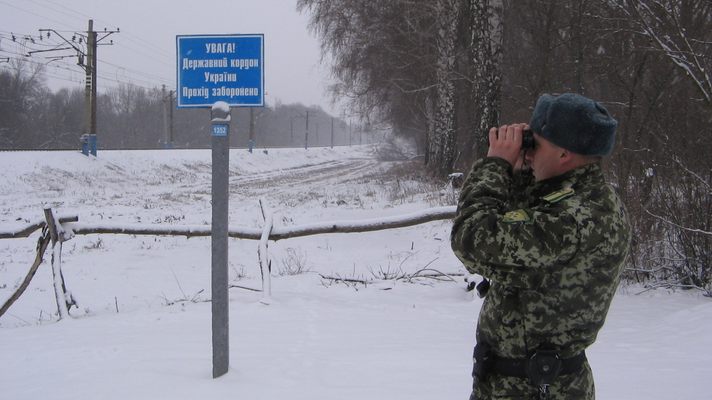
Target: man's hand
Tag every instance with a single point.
(505, 142)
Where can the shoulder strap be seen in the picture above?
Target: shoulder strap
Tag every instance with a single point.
(558, 195)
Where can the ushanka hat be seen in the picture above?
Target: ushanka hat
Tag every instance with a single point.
(576, 123)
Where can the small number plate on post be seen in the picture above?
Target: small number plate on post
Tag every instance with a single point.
(220, 130)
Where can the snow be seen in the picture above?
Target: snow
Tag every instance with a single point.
(143, 330)
(220, 112)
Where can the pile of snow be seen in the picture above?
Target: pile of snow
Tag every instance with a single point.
(143, 327)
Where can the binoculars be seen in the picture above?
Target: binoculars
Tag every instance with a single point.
(527, 139)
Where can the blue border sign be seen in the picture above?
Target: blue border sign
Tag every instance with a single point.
(227, 68)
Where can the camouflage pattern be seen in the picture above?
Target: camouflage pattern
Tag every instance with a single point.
(554, 272)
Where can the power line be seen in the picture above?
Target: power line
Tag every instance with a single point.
(32, 13)
(48, 4)
(136, 44)
(32, 44)
(137, 72)
(130, 37)
(47, 68)
(148, 83)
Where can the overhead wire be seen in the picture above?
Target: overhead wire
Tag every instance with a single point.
(48, 69)
(153, 53)
(33, 13)
(53, 6)
(60, 66)
(20, 50)
(152, 49)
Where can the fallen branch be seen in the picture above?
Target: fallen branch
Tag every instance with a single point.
(348, 280)
(244, 287)
(435, 275)
(674, 285)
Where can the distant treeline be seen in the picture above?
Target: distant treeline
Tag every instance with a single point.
(132, 117)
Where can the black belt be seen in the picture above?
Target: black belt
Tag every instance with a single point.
(518, 367)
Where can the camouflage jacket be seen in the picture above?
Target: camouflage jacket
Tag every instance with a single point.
(554, 251)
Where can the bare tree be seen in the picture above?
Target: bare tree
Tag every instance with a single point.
(680, 30)
(400, 62)
(20, 88)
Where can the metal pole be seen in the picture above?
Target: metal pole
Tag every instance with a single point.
(251, 140)
(88, 77)
(220, 195)
(91, 46)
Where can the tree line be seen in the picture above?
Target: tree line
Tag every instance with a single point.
(33, 117)
(441, 72)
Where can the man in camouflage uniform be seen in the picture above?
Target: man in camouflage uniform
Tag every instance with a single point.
(553, 248)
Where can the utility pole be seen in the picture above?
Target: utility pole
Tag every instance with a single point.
(170, 117)
(167, 117)
(86, 59)
(306, 134)
(291, 131)
(291, 128)
(90, 87)
(251, 140)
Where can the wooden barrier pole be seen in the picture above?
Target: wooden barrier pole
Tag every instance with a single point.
(59, 287)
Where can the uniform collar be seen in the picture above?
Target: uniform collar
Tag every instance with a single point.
(575, 178)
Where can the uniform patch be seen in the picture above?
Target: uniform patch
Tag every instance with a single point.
(516, 216)
(558, 195)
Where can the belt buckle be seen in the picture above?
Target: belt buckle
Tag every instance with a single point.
(543, 367)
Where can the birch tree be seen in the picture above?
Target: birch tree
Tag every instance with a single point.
(486, 54)
(443, 144)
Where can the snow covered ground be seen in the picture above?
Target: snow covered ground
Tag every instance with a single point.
(143, 327)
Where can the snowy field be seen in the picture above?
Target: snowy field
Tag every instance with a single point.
(143, 327)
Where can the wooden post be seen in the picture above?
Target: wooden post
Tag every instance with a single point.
(263, 255)
(56, 234)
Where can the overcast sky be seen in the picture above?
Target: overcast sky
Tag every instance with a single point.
(144, 51)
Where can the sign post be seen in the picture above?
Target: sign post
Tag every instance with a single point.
(220, 116)
(220, 71)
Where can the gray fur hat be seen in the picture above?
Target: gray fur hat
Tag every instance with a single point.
(575, 123)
